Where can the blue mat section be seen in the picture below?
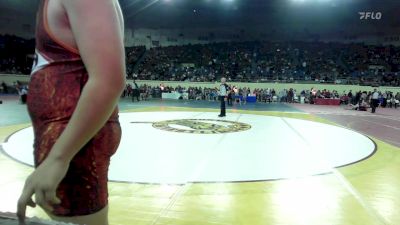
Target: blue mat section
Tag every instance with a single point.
(12, 112)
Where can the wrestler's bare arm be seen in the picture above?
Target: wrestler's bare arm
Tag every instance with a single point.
(96, 26)
(99, 37)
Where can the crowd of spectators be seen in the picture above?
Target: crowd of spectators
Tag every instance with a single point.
(17, 87)
(266, 95)
(290, 95)
(133, 55)
(266, 61)
(373, 64)
(14, 88)
(251, 61)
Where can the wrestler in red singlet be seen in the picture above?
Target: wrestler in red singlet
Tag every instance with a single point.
(58, 77)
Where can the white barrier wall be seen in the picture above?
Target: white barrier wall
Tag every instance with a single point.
(9, 79)
(277, 86)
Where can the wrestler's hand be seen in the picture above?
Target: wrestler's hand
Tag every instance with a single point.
(42, 183)
(225, 99)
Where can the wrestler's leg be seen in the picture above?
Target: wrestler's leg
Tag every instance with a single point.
(83, 190)
(98, 218)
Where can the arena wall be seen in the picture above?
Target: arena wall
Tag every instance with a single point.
(167, 37)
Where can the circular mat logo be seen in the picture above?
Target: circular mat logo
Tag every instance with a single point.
(201, 126)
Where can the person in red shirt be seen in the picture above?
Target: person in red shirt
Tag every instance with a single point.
(79, 51)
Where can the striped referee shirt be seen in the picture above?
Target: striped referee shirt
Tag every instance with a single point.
(222, 90)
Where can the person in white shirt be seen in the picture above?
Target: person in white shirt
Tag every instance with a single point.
(223, 96)
(374, 100)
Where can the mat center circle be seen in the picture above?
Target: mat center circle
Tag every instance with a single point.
(180, 147)
(201, 126)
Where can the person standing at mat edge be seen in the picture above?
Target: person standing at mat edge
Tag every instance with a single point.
(79, 51)
(223, 96)
(374, 100)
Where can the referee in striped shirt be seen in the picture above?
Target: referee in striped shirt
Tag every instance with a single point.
(374, 100)
(223, 96)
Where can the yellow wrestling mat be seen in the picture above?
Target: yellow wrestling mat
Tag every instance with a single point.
(364, 192)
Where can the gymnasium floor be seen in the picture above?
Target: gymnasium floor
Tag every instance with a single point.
(263, 164)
